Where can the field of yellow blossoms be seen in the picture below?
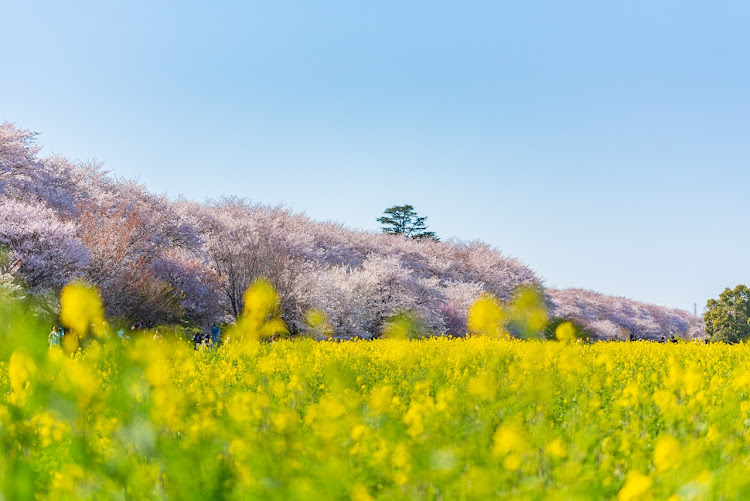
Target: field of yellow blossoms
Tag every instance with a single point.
(440, 418)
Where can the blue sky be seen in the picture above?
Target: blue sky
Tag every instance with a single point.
(605, 144)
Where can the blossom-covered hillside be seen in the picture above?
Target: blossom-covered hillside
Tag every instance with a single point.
(159, 260)
(608, 317)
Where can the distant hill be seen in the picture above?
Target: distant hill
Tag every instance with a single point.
(160, 260)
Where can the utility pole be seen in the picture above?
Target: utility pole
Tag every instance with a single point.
(700, 324)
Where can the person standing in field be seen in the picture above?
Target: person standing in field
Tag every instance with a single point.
(214, 334)
(54, 337)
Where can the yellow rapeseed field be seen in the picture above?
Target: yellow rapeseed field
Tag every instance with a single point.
(439, 418)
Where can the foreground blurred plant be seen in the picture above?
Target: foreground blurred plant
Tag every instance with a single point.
(405, 325)
(524, 316)
(486, 317)
(261, 315)
(474, 418)
(81, 311)
(317, 323)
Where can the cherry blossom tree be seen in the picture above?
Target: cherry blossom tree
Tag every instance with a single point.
(9, 287)
(245, 242)
(18, 158)
(47, 251)
(610, 317)
(162, 260)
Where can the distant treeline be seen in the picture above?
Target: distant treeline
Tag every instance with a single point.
(161, 261)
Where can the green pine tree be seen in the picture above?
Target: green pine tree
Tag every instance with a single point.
(403, 220)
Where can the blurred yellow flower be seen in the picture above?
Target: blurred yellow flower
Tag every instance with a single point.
(565, 332)
(81, 309)
(636, 484)
(486, 317)
(666, 453)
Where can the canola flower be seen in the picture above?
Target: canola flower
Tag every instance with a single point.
(318, 324)
(260, 318)
(486, 317)
(524, 316)
(474, 418)
(81, 311)
(565, 332)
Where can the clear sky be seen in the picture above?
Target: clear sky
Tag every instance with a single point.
(605, 144)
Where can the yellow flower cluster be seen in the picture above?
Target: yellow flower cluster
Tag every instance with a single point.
(473, 418)
(525, 315)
